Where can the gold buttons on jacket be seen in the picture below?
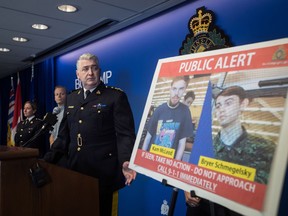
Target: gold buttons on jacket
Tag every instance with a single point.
(80, 121)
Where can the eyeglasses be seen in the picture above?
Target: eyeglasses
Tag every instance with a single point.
(93, 68)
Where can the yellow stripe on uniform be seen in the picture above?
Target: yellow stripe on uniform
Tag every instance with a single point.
(115, 204)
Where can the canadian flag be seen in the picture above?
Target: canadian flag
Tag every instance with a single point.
(17, 117)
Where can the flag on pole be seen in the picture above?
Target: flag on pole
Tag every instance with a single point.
(10, 141)
(32, 94)
(17, 116)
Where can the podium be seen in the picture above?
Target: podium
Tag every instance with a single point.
(67, 192)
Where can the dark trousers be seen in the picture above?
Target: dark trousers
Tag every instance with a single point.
(105, 202)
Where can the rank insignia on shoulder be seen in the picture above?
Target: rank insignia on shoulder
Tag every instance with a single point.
(114, 88)
(70, 107)
(74, 90)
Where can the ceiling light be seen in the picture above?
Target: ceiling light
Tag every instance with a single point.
(20, 39)
(67, 8)
(4, 50)
(40, 26)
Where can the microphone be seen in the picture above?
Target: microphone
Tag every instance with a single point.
(56, 110)
(50, 119)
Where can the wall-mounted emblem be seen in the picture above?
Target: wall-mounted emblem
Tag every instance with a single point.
(203, 33)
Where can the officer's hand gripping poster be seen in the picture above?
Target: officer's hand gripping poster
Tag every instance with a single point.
(216, 123)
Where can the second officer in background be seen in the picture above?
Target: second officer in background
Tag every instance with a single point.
(26, 132)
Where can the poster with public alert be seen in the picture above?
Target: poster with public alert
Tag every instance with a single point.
(215, 123)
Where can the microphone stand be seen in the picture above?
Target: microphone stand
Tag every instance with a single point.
(50, 120)
(36, 135)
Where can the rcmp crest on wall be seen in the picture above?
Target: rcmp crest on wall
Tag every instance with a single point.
(203, 34)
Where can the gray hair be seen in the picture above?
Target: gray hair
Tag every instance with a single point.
(87, 56)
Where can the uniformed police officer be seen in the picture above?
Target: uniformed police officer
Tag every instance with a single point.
(97, 133)
(28, 128)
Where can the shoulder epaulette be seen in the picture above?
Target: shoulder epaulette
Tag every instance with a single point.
(75, 91)
(112, 87)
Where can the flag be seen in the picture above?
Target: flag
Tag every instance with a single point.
(10, 141)
(32, 94)
(17, 116)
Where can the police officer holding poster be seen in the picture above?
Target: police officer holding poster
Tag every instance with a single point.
(97, 133)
